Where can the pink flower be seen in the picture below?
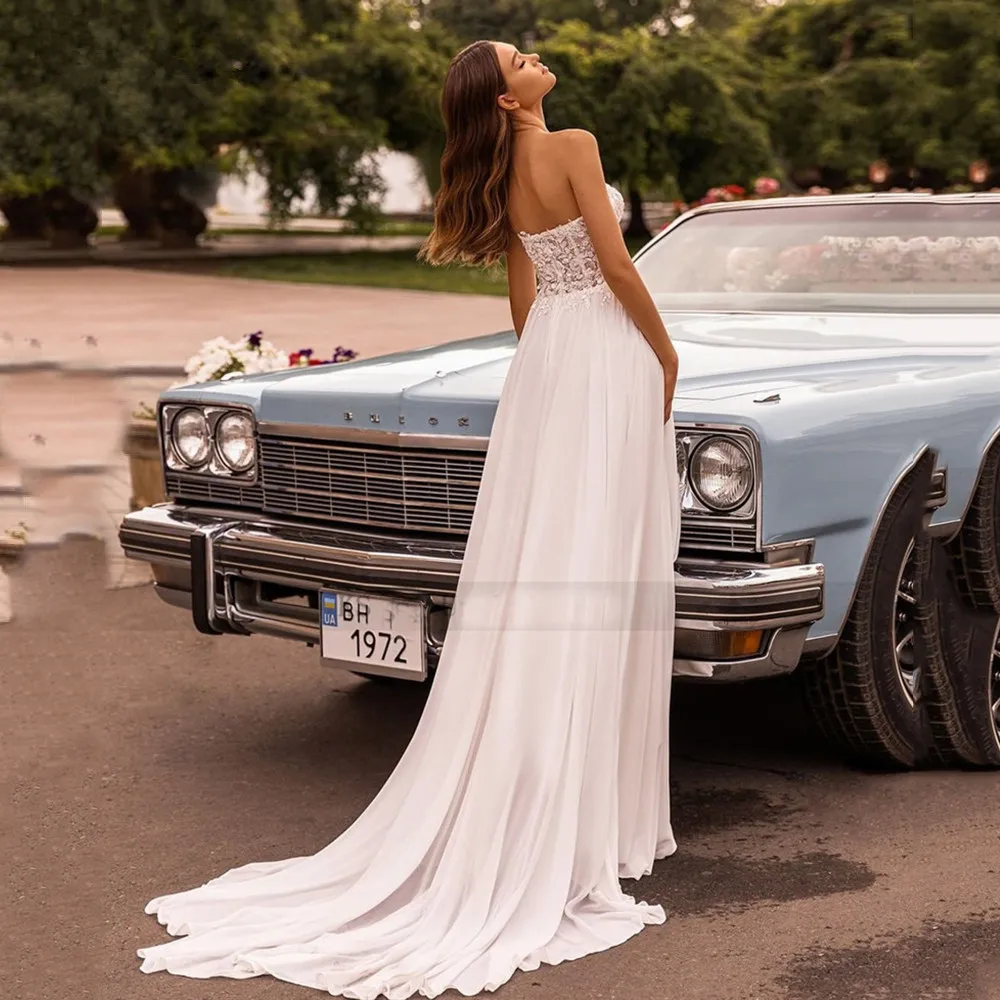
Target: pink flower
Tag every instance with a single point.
(816, 189)
(765, 186)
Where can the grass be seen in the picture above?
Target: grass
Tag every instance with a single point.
(385, 228)
(374, 269)
(377, 269)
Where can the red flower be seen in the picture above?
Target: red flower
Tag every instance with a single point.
(734, 189)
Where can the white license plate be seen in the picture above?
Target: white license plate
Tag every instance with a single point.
(373, 634)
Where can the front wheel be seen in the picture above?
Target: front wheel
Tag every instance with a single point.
(866, 694)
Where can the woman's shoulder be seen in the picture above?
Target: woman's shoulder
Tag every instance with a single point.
(573, 148)
(575, 138)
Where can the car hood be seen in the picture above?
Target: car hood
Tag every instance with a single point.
(728, 365)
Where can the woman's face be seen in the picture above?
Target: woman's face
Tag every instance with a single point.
(528, 79)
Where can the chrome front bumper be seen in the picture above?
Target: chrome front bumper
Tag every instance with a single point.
(226, 568)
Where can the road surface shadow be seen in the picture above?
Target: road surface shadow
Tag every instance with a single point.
(956, 960)
(688, 884)
(699, 810)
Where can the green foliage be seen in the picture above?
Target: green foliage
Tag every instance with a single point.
(915, 83)
(303, 90)
(52, 53)
(683, 94)
(673, 112)
(469, 20)
(521, 21)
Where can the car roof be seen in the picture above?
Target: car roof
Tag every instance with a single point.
(867, 197)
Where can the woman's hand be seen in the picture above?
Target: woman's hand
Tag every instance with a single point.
(669, 386)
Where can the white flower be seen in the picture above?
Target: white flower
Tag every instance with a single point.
(219, 356)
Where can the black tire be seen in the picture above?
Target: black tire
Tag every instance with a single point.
(963, 670)
(976, 548)
(857, 693)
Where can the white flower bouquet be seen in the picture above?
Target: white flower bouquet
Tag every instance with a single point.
(253, 355)
(220, 358)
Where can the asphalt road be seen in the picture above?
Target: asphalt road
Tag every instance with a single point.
(140, 758)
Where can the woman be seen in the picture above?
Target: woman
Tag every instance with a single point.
(537, 775)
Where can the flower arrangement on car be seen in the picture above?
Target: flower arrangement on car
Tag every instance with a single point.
(222, 359)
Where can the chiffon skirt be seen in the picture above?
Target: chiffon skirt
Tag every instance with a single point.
(538, 773)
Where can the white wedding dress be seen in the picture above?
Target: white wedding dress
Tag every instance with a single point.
(537, 775)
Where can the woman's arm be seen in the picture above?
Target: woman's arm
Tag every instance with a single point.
(520, 283)
(586, 175)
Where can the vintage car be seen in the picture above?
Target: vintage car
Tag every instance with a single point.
(837, 423)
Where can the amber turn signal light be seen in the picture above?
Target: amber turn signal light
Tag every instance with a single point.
(695, 644)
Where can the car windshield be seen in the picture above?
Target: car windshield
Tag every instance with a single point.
(907, 256)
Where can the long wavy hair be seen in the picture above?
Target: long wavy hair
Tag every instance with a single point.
(471, 225)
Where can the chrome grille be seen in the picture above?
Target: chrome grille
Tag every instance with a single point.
(214, 490)
(402, 489)
(735, 536)
(399, 489)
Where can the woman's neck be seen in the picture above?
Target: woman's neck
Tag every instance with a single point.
(532, 119)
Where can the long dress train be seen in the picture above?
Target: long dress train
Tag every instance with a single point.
(537, 775)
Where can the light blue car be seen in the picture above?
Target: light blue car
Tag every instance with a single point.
(838, 413)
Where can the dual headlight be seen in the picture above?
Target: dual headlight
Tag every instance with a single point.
(214, 439)
(718, 470)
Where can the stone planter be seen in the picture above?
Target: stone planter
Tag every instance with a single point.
(166, 205)
(180, 198)
(142, 445)
(133, 194)
(26, 219)
(71, 219)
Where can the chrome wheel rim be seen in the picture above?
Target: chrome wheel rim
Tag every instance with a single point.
(993, 687)
(904, 623)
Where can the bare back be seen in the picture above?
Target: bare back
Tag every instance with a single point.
(541, 195)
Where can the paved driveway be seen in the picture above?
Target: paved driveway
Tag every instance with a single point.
(140, 758)
(121, 336)
(149, 317)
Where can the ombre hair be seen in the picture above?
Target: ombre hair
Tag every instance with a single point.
(471, 225)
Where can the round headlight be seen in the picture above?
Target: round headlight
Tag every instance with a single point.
(234, 438)
(191, 437)
(721, 474)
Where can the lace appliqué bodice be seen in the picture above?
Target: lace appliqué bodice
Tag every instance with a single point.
(564, 257)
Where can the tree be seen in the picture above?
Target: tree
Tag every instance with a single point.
(469, 20)
(144, 97)
(328, 93)
(522, 21)
(54, 108)
(913, 83)
(90, 89)
(668, 112)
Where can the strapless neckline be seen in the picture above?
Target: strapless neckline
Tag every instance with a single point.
(565, 225)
